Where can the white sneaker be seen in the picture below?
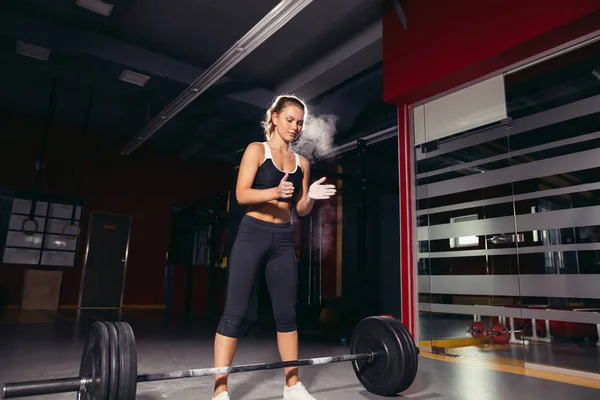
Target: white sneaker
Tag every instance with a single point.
(296, 392)
(222, 396)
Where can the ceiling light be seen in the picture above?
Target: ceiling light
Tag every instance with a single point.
(134, 78)
(97, 6)
(33, 51)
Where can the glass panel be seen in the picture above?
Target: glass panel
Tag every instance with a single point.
(58, 242)
(21, 256)
(23, 206)
(64, 211)
(50, 221)
(18, 239)
(555, 164)
(468, 266)
(16, 223)
(58, 258)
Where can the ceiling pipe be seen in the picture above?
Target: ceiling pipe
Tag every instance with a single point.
(370, 139)
(271, 23)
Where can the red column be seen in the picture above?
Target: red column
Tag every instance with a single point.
(449, 44)
(408, 266)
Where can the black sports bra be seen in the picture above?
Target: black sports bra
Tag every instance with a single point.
(269, 176)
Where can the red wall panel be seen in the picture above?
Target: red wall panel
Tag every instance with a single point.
(450, 43)
(144, 185)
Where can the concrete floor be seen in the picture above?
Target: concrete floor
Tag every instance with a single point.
(49, 346)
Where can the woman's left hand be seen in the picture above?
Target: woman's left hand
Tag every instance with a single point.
(318, 191)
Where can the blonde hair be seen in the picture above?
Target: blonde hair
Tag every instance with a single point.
(279, 104)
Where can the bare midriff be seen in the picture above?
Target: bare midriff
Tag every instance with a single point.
(275, 211)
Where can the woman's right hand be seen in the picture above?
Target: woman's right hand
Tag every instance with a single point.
(285, 188)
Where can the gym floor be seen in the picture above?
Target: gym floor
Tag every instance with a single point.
(39, 345)
(581, 355)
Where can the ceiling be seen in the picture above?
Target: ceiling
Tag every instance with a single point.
(330, 54)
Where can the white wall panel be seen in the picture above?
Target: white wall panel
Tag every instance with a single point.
(589, 317)
(472, 107)
(576, 286)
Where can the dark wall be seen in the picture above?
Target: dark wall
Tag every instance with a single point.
(389, 277)
(372, 288)
(351, 287)
(144, 185)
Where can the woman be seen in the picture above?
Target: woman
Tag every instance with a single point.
(271, 178)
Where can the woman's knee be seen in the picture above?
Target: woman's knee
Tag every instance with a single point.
(285, 321)
(230, 325)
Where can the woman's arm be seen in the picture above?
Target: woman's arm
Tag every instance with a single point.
(304, 204)
(248, 167)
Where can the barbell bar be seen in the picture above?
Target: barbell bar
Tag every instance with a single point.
(383, 355)
(65, 385)
(192, 373)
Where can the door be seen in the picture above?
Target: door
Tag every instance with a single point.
(468, 264)
(106, 260)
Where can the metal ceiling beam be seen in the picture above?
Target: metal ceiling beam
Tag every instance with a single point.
(266, 27)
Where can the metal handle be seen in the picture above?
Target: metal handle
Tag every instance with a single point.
(35, 388)
(499, 239)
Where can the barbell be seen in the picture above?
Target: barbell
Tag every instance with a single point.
(382, 351)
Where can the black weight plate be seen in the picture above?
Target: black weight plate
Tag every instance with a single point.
(387, 374)
(411, 360)
(115, 361)
(128, 361)
(94, 368)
